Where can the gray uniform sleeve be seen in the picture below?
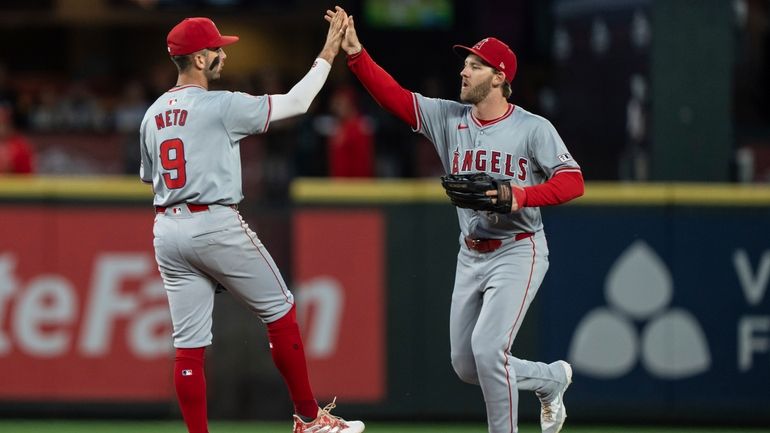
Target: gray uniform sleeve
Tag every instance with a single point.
(548, 150)
(145, 162)
(244, 114)
(433, 116)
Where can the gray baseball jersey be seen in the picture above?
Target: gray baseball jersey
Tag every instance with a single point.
(494, 289)
(190, 152)
(190, 143)
(520, 146)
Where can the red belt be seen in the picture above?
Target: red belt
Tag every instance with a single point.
(489, 245)
(192, 207)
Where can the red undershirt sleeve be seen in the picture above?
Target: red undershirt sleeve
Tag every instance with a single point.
(383, 88)
(561, 188)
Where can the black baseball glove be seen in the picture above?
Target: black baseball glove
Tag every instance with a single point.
(468, 191)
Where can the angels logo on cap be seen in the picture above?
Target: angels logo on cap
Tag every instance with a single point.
(495, 53)
(480, 43)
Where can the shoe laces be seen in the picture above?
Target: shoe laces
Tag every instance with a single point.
(326, 413)
(547, 411)
(326, 409)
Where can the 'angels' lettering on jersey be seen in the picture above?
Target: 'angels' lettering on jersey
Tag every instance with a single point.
(519, 146)
(489, 161)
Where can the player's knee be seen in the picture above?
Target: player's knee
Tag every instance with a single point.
(465, 368)
(486, 357)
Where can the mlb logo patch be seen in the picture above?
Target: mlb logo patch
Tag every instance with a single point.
(186, 372)
(564, 157)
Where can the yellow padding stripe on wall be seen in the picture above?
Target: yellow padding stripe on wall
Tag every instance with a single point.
(597, 193)
(74, 187)
(343, 191)
(310, 190)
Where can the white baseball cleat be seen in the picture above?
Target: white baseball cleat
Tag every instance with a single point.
(325, 422)
(552, 411)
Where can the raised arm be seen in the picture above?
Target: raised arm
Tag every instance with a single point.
(298, 99)
(383, 88)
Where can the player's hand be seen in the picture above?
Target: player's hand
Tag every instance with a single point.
(514, 203)
(338, 21)
(350, 44)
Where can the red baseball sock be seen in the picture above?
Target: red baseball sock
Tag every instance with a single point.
(289, 356)
(190, 383)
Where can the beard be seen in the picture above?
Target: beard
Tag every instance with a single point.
(477, 93)
(212, 71)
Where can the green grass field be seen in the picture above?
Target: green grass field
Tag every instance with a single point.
(53, 426)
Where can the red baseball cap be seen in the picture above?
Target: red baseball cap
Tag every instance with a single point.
(195, 34)
(493, 51)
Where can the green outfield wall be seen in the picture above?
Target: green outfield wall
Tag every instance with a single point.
(657, 294)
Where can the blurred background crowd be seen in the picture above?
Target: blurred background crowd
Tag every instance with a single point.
(77, 75)
(643, 92)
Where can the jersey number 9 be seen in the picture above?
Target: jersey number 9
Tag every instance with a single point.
(172, 159)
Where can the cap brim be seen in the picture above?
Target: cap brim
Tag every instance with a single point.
(227, 40)
(462, 51)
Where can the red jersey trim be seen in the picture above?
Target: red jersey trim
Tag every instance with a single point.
(513, 328)
(276, 274)
(417, 116)
(492, 122)
(567, 170)
(269, 113)
(174, 89)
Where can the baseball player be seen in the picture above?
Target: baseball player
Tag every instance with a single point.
(503, 255)
(190, 153)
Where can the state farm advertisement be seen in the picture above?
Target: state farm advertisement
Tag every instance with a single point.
(339, 261)
(83, 313)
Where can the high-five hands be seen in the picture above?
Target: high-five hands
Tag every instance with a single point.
(350, 43)
(338, 21)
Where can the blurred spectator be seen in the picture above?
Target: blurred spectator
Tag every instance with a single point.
(272, 153)
(162, 77)
(76, 110)
(128, 116)
(309, 152)
(8, 96)
(351, 143)
(45, 114)
(15, 151)
(131, 108)
(634, 164)
(81, 110)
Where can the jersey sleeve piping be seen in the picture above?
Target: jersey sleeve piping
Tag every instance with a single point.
(269, 113)
(567, 170)
(417, 115)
